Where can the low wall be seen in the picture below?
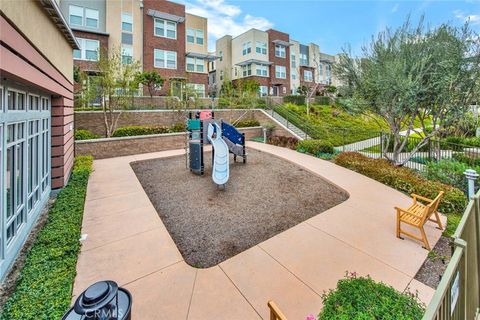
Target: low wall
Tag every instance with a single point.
(93, 120)
(125, 146)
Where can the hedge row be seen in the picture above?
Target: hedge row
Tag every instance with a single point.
(282, 141)
(405, 180)
(44, 287)
(147, 130)
(315, 147)
(363, 298)
(82, 134)
(247, 123)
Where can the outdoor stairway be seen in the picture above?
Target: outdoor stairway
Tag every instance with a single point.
(300, 133)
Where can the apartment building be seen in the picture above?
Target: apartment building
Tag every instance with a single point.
(36, 116)
(279, 64)
(157, 33)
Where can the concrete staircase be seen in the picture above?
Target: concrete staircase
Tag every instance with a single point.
(298, 132)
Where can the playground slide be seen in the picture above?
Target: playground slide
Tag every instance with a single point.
(220, 170)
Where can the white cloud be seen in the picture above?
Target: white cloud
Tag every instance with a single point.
(395, 8)
(474, 19)
(224, 18)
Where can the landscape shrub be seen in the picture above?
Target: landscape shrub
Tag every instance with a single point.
(315, 147)
(449, 172)
(130, 131)
(297, 100)
(82, 134)
(285, 142)
(363, 298)
(321, 100)
(472, 160)
(247, 123)
(44, 287)
(405, 180)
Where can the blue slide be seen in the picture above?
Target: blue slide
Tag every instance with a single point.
(221, 169)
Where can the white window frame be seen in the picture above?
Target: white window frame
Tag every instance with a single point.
(280, 72)
(70, 7)
(87, 13)
(165, 23)
(261, 70)
(261, 47)
(83, 50)
(196, 62)
(247, 48)
(127, 51)
(198, 88)
(93, 15)
(280, 51)
(307, 75)
(247, 70)
(165, 59)
(127, 18)
(263, 91)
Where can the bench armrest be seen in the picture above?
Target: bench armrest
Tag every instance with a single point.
(416, 196)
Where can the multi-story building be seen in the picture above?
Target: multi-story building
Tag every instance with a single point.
(156, 33)
(263, 56)
(36, 116)
(279, 64)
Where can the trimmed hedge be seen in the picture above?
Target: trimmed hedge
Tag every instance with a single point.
(44, 287)
(322, 100)
(363, 298)
(82, 134)
(405, 180)
(285, 142)
(315, 147)
(298, 100)
(145, 130)
(247, 123)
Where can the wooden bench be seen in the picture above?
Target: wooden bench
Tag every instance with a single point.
(417, 215)
(275, 313)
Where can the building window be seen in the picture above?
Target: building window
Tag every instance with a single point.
(261, 70)
(220, 54)
(166, 29)
(327, 69)
(280, 72)
(280, 51)
(88, 50)
(195, 64)
(127, 54)
(165, 59)
(293, 60)
(91, 18)
(261, 47)
(221, 75)
(303, 59)
(33, 102)
(83, 17)
(127, 22)
(293, 74)
(247, 70)
(308, 75)
(263, 91)
(320, 70)
(195, 36)
(247, 48)
(196, 90)
(15, 100)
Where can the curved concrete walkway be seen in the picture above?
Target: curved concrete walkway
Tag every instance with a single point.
(127, 242)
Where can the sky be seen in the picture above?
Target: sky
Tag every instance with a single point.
(333, 25)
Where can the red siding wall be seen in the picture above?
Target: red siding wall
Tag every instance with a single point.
(282, 83)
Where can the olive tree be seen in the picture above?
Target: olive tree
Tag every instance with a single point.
(418, 80)
(117, 85)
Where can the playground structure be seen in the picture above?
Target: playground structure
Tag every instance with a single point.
(225, 139)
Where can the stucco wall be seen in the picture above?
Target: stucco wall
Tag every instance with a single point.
(60, 54)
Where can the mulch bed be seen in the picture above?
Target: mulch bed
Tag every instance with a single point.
(434, 266)
(264, 197)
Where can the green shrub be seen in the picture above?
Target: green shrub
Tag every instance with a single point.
(315, 147)
(82, 134)
(298, 100)
(285, 142)
(472, 160)
(146, 130)
(44, 287)
(405, 180)
(363, 298)
(247, 123)
(324, 101)
(449, 172)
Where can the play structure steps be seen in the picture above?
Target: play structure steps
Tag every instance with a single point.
(298, 132)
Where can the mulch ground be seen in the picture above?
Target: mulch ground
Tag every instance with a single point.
(434, 266)
(264, 197)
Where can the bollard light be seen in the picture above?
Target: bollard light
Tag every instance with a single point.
(471, 176)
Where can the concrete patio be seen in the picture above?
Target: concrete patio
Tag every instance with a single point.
(126, 241)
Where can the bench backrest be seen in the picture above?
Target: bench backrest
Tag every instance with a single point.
(432, 207)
